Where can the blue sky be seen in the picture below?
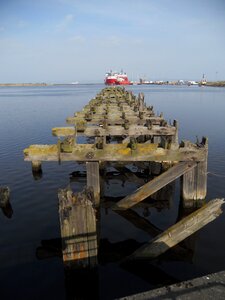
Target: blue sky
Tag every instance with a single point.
(69, 40)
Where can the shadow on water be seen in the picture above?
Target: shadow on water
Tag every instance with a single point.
(7, 210)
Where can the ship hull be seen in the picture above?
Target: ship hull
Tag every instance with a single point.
(109, 81)
(122, 82)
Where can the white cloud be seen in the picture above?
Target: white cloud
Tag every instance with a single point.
(65, 23)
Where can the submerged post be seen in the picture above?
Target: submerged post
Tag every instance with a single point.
(36, 169)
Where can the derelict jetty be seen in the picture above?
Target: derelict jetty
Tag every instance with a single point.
(121, 130)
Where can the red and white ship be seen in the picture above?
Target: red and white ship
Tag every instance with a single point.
(114, 78)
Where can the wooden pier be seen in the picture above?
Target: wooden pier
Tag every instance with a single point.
(119, 129)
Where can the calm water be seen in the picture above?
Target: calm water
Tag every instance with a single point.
(26, 117)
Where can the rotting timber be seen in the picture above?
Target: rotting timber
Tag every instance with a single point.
(120, 129)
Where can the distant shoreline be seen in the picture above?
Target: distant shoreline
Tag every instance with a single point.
(24, 84)
(43, 84)
(216, 83)
(209, 83)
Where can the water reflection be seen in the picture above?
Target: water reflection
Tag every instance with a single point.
(109, 252)
(199, 111)
(7, 210)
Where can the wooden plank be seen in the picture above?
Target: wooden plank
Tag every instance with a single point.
(133, 130)
(116, 112)
(154, 185)
(78, 229)
(113, 152)
(181, 230)
(118, 121)
(93, 180)
(63, 131)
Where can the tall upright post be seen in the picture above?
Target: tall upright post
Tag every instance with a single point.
(93, 179)
(175, 141)
(194, 182)
(201, 175)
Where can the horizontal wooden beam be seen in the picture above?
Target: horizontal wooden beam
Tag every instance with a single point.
(154, 185)
(63, 131)
(133, 130)
(114, 152)
(115, 121)
(180, 230)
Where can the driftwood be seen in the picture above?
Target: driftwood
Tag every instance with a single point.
(178, 232)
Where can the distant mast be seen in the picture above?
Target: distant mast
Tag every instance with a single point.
(203, 81)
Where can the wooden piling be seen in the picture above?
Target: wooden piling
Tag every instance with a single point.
(78, 228)
(194, 182)
(36, 169)
(93, 180)
(4, 196)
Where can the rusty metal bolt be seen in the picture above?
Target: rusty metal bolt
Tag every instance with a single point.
(89, 155)
(133, 143)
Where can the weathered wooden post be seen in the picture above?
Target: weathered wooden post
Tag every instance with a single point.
(194, 182)
(78, 228)
(93, 179)
(4, 201)
(4, 196)
(175, 142)
(36, 169)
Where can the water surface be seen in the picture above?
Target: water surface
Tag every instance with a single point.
(27, 115)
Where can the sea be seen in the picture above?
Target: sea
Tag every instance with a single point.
(31, 270)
